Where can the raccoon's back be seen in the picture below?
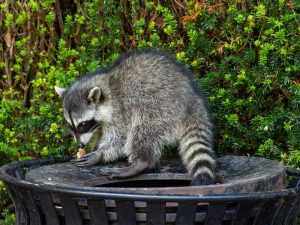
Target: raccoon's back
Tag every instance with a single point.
(150, 75)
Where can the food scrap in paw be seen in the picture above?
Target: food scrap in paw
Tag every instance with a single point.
(81, 152)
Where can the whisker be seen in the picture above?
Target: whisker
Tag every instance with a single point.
(94, 127)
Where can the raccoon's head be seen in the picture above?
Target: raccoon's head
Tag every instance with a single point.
(85, 109)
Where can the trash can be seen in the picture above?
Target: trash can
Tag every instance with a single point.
(50, 203)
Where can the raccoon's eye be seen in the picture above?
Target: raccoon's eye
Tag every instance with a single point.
(87, 126)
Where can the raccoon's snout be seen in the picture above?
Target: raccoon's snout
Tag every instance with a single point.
(78, 141)
(80, 145)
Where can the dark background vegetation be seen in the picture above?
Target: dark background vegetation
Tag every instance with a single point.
(244, 53)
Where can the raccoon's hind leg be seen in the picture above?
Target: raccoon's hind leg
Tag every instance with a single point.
(196, 150)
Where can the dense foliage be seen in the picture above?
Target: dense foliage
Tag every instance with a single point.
(246, 55)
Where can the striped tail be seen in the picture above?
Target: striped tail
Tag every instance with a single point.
(196, 150)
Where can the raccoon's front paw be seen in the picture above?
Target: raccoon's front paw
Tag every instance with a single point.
(111, 173)
(127, 171)
(89, 159)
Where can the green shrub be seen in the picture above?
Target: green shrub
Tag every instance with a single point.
(252, 77)
(5, 200)
(10, 218)
(245, 54)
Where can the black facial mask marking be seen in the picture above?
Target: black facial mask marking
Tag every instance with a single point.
(83, 127)
(87, 126)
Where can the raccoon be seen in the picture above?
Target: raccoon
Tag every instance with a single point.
(144, 100)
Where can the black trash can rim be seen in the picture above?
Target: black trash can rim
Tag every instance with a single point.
(7, 170)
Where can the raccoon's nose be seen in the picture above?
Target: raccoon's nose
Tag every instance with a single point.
(81, 145)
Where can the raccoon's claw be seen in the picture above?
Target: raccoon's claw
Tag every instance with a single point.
(112, 176)
(127, 171)
(111, 173)
(87, 160)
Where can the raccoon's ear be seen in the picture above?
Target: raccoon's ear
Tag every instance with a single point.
(60, 91)
(94, 95)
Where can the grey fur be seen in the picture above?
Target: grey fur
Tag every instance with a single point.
(144, 100)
